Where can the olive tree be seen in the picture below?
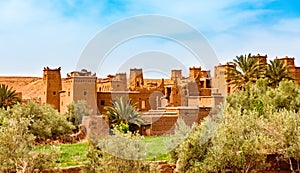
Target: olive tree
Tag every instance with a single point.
(252, 124)
(18, 152)
(121, 152)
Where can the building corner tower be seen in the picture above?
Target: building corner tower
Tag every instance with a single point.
(51, 87)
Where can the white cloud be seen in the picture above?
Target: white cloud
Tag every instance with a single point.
(288, 25)
(38, 33)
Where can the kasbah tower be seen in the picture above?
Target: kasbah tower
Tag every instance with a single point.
(51, 87)
(78, 86)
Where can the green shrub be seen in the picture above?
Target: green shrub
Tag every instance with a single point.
(119, 153)
(46, 122)
(17, 144)
(76, 111)
(123, 128)
(252, 124)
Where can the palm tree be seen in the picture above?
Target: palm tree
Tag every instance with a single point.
(8, 97)
(276, 72)
(242, 70)
(123, 111)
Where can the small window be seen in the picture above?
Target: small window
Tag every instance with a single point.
(69, 93)
(85, 93)
(54, 93)
(102, 102)
(143, 104)
(228, 89)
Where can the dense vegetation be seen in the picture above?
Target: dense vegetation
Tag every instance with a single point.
(20, 126)
(252, 123)
(121, 152)
(17, 143)
(124, 151)
(247, 69)
(76, 112)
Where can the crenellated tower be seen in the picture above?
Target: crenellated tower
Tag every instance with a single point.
(51, 87)
(136, 79)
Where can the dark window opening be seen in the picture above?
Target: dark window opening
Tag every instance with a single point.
(169, 90)
(85, 93)
(228, 90)
(54, 93)
(102, 102)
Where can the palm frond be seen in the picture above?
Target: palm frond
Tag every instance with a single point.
(123, 110)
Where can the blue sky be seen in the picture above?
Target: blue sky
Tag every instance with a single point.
(53, 33)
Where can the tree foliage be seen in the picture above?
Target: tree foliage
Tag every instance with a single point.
(259, 96)
(45, 121)
(17, 144)
(247, 69)
(121, 152)
(76, 111)
(253, 123)
(8, 97)
(243, 69)
(123, 111)
(276, 72)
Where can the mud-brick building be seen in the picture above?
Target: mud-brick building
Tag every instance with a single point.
(291, 68)
(79, 85)
(148, 94)
(52, 85)
(163, 121)
(161, 101)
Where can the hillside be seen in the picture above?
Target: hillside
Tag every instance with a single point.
(31, 87)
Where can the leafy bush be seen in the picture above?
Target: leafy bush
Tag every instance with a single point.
(123, 128)
(76, 111)
(260, 96)
(252, 124)
(119, 153)
(45, 121)
(17, 144)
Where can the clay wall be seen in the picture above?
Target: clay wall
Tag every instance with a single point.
(162, 121)
(51, 87)
(136, 79)
(219, 79)
(176, 75)
(162, 124)
(84, 88)
(140, 98)
(80, 86)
